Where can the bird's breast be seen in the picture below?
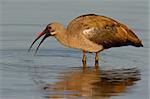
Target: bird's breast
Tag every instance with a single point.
(80, 42)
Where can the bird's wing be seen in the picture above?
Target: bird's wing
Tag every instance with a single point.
(102, 30)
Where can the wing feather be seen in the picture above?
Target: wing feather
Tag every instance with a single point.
(102, 30)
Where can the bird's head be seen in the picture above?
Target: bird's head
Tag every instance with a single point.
(51, 29)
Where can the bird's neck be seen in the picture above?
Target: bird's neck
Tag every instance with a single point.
(62, 37)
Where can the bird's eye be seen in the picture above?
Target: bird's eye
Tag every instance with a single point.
(49, 27)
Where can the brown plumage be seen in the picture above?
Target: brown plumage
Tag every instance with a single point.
(91, 33)
(106, 31)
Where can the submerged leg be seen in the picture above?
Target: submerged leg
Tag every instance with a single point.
(97, 59)
(84, 59)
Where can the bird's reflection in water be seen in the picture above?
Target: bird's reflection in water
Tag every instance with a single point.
(92, 83)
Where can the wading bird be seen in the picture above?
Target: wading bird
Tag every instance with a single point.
(91, 33)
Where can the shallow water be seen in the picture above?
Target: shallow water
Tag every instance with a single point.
(56, 71)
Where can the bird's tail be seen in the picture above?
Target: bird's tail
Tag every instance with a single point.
(138, 44)
(134, 40)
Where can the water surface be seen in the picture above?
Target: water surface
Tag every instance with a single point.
(56, 71)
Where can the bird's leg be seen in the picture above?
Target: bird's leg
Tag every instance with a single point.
(84, 59)
(97, 59)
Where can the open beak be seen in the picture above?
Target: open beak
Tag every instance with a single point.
(39, 36)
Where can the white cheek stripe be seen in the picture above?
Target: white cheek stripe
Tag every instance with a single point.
(53, 33)
(88, 31)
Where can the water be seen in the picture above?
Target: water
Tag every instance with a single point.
(56, 72)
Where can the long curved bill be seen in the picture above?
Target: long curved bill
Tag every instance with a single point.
(39, 36)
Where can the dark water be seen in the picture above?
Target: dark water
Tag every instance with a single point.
(56, 72)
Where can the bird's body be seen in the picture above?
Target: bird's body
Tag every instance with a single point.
(92, 33)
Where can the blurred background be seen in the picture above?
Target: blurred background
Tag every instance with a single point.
(24, 75)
